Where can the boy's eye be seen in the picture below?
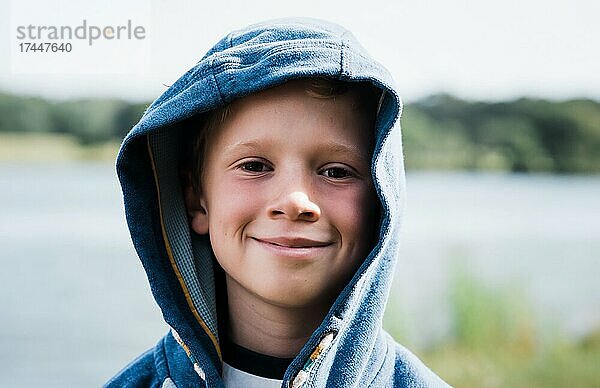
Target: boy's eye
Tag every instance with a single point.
(254, 166)
(337, 173)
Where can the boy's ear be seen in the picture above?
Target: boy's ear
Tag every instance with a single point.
(196, 210)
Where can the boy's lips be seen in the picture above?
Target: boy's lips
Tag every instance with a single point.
(292, 242)
(293, 247)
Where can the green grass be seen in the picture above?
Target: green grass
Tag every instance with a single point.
(497, 342)
(38, 147)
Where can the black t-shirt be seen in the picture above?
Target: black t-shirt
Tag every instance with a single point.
(252, 362)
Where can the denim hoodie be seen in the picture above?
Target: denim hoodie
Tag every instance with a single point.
(350, 347)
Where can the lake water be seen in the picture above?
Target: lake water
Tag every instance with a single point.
(76, 305)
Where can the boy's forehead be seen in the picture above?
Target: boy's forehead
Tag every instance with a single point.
(277, 104)
(270, 100)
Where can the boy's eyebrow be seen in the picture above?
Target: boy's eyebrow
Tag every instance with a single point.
(344, 149)
(253, 145)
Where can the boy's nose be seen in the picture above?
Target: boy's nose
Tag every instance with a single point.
(295, 206)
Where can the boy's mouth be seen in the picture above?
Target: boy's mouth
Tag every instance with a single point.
(292, 242)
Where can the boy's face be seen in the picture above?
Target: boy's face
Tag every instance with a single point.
(287, 197)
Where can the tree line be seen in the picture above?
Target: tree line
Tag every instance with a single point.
(524, 135)
(440, 131)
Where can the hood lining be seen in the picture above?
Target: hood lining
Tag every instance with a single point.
(191, 297)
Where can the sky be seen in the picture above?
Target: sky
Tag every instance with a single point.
(479, 50)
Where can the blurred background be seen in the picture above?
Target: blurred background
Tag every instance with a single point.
(497, 283)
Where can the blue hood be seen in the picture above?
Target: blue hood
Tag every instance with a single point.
(352, 348)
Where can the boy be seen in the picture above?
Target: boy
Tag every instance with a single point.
(263, 193)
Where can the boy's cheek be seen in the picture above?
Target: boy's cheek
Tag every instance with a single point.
(370, 218)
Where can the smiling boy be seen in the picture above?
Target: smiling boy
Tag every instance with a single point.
(287, 199)
(263, 192)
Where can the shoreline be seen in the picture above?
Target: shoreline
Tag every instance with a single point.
(42, 147)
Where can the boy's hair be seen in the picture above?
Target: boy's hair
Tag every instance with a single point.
(199, 128)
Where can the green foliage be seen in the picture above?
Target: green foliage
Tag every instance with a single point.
(20, 114)
(486, 318)
(89, 121)
(497, 342)
(526, 135)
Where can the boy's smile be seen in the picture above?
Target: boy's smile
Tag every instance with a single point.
(293, 247)
(287, 197)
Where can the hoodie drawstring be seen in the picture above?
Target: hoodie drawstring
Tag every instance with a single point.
(302, 376)
(199, 371)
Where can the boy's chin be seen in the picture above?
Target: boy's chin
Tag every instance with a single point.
(295, 296)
